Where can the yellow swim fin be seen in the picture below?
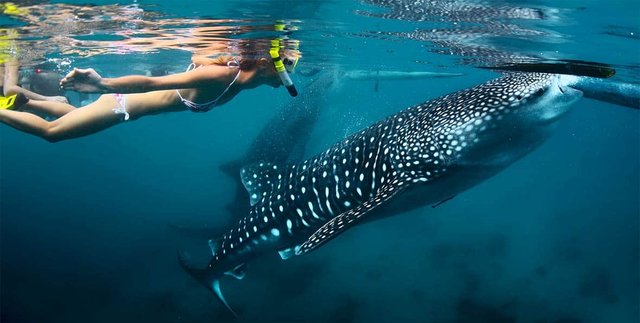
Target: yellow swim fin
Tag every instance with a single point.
(12, 101)
(7, 102)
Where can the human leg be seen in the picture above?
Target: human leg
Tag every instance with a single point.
(10, 77)
(2, 77)
(79, 122)
(51, 108)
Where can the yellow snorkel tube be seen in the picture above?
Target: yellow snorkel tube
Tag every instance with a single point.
(274, 52)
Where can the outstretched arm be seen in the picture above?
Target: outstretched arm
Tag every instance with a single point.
(88, 80)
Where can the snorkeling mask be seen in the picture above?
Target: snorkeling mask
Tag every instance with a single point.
(283, 66)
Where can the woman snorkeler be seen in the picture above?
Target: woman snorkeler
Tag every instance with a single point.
(207, 83)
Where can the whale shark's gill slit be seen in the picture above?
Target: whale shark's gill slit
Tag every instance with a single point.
(290, 226)
(317, 194)
(313, 212)
(327, 193)
(373, 170)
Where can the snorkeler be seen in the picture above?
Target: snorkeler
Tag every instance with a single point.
(37, 84)
(207, 83)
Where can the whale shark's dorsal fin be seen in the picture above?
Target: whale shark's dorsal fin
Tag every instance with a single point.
(213, 245)
(259, 178)
(349, 218)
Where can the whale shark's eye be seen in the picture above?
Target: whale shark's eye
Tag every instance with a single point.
(519, 97)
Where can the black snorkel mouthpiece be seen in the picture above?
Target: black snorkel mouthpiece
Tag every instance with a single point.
(292, 90)
(282, 71)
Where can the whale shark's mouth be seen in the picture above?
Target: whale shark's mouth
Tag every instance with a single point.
(571, 91)
(558, 103)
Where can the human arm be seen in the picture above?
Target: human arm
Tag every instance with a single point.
(11, 86)
(15, 89)
(88, 80)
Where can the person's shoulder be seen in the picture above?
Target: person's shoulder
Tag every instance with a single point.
(213, 71)
(202, 60)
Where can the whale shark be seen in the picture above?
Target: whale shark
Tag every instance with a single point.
(421, 156)
(284, 137)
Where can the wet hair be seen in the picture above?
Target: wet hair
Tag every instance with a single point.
(248, 52)
(245, 63)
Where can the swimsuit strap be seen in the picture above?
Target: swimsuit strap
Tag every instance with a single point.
(233, 63)
(191, 67)
(228, 87)
(204, 107)
(122, 105)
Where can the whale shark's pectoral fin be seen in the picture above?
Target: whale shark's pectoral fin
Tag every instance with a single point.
(349, 218)
(213, 246)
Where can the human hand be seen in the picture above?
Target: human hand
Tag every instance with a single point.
(83, 80)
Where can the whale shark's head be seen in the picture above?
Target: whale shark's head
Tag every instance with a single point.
(494, 123)
(542, 98)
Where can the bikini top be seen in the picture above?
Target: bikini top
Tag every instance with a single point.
(204, 107)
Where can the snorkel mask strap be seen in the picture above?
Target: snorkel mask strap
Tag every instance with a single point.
(274, 52)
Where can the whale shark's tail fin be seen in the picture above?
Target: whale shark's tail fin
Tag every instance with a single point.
(206, 277)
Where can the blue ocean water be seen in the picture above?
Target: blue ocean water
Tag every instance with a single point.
(85, 224)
